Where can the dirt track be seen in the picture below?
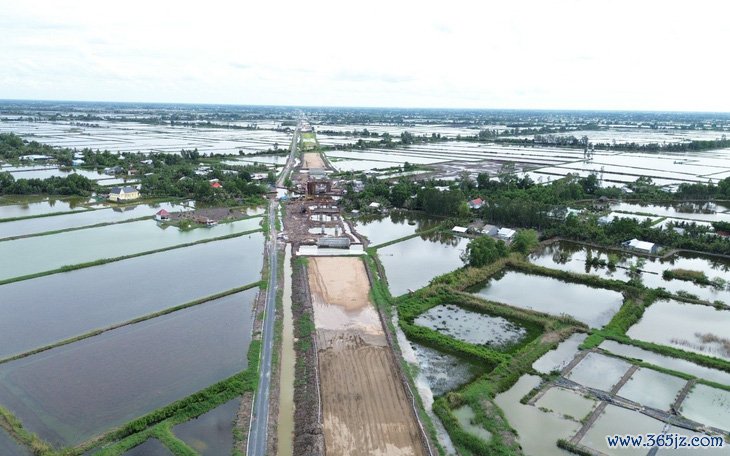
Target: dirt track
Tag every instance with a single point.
(312, 160)
(365, 409)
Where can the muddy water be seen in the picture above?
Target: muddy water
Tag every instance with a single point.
(44, 253)
(685, 326)
(566, 403)
(211, 434)
(29, 206)
(593, 306)
(599, 371)
(130, 370)
(151, 447)
(465, 415)
(41, 311)
(707, 405)
(471, 327)
(677, 364)
(9, 447)
(394, 226)
(560, 357)
(615, 420)
(411, 264)
(443, 372)
(285, 423)
(538, 431)
(652, 389)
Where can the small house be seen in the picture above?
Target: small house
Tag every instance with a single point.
(121, 194)
(162, 215)
(216, 185)
(374, 205)
(476, 203)
(506, 234)
(490, 230)
(642, 246)
(459, 229)
(113, 170)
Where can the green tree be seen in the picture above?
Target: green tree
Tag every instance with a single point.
(525, 241)
(483, 251)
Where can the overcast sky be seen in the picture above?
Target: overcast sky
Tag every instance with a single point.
(637, 55)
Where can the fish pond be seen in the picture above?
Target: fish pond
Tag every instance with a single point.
(131, 370)
(42, 311)
(472, 327)
(709, 406)
(28, 206)
(44, 253)
(465, 416)
(558, 359)
(616, 420)
(397, 225)
(151, 447)
(651, 388)
(599, 371)
(566, 403)
(211, 434)
(692, 327)
(9, 447)
(442, 371)
(411, 264)
(593, 306)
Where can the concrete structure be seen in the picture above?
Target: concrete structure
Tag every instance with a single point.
(506, 234)
(332, 242)
(459, 229)
(121, 194)
(641, 246)
(490, 230)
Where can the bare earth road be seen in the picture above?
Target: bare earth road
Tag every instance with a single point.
(258, 432)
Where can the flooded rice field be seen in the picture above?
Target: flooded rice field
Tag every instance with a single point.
(44, 172)
(616, 420)
(556, 360)
(442, 371)
(472, 327)
(211, 434)
(9, 447)
(411, 264)
(394, 226)
(63, 222)
(709, 406)
(48, 309)
(12, 207)
(688, 211)
(465, 415)
(652, 389)
(151, 447)
(43, 253)
(132, 370)
(593, 306)
(578, 258)
(566, 403)
(526, 419)
(692, 327)
(599, 371)
(681, 365)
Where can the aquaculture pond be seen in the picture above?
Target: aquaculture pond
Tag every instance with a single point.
(692, 327)
(556, 360)
(41, 311)
(151, 447)
(30, 206)
(684, 211)
(211, 434)
(525, 419)
(465, 416)
(397, 225)
(709, 406)
(44, 253)
(566, 403)
(593, 306)
(131, 370)
(677, 364)
(599, 371)
(651, 388)
(411, 264)
(616, 420)
(9, 447)
(472, 327)
(442, 371)
(65, 221)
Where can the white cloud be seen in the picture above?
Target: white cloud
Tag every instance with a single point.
(522, 54)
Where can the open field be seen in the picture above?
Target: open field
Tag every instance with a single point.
(312, 160)
(365, 409)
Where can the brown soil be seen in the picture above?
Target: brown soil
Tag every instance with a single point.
(312, 160)
(243, 419)
(364, 405)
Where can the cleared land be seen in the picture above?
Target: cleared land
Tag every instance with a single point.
(365, 409)
(312, 160)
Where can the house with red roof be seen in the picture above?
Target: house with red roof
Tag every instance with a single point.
(216, 185)
(476, 203)
(162, 215)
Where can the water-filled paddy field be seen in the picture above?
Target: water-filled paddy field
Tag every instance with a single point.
(599, 371)
(593, 306)
(616, 420)
(652, 389)
(152, 447)
(411, 264)
(211, 434)
(556, 360)
(44, 253)
(13, 207)
(41, 311)
(397, 225)
(9, 447)
(73, 392)
(707, 405)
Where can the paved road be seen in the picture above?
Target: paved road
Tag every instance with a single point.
(258, 431)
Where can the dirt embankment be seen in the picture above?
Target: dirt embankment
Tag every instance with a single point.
(312, 160)
(364, 405)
